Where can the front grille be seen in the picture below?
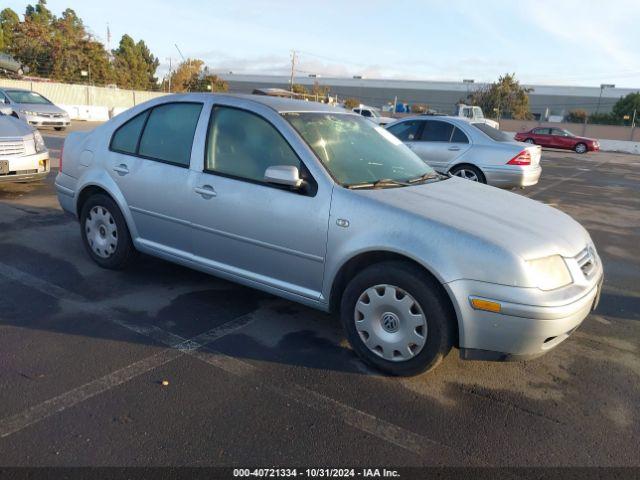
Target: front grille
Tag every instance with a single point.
(10, 149)
(587, 262)
(50, 115)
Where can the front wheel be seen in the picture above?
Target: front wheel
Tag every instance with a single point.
(580, 148)
(59, 129)
(469, 172)
(396, 319)
(105, 233)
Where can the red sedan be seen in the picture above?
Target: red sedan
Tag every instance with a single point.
(558, 138)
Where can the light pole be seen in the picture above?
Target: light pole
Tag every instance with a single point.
(468, 81)
(602, 87)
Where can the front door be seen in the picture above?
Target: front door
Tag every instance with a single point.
(260, 232)
(435, 147)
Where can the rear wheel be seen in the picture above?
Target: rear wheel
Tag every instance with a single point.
(580, 148)
(530, 140)
(105, 233)
(59, 128)
(396, 318)
(468, 172)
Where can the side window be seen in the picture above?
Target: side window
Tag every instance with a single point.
(242, 144)
(436, 131)
(3, 98)
(406, 131)
(557, 131)
(366, 113)
(168, 135)
(125, 139)
(459, 136)
(541, 131)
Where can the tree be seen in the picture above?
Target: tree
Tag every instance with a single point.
(351, 103)
(134, 66)
(506, 97)
(626, 106)
(192, 76)
(9, 21)
(577, 116)
(419, 108)
(299, 89)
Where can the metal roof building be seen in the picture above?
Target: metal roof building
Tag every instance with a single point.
(439, 95)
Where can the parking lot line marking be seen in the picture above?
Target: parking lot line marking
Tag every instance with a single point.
(22, 420)
(36, 283)
(363, 421)
(562, 180)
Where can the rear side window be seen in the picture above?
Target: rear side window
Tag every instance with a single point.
(493, 133)
(406, 131)
(168, 135)
(459, 136)
(125, 140)
(435, 131)
(366, 113)
(541, 131)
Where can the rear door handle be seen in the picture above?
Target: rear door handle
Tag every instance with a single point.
(122, 169)
(454, 149)
(206, 191)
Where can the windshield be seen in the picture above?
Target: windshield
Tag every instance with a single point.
(357, 151)
(493, 133)
(477, 112)
(19, 96)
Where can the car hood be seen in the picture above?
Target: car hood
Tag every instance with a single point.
(11, 127)
(39, 107)
(528, 228)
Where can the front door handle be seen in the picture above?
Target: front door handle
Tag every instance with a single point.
(454, 149)
(206, 191)
(122, 169)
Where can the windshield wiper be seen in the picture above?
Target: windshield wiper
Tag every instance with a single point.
(383, 182)
(425, 177)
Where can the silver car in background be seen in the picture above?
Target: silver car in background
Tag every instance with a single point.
(33, 108)
(23, 154)
(323, 207)
(472, 150)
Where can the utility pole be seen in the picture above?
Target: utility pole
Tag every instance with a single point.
(170, 71)
(602, 87)
(293, 69)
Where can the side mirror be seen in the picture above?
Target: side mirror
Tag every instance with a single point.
(5, 110)
(283, 175)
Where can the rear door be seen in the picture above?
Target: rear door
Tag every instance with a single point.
(435, 144)
(542, 137)
(149, 161)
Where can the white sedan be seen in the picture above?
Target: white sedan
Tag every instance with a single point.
(23, 154)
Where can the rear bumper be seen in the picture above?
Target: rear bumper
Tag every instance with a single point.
(519, 331)
(66, 194)
(512, 176)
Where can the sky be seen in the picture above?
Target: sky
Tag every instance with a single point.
(551, 42)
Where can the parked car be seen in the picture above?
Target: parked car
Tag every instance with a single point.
(373, 115)
(553, 137)
(10, 65)
(473, 114)
(34, 109)
(471, 150)
(321, 206)
(23, 154)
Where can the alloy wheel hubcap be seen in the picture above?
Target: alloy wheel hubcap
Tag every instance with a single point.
(468, 174)
(580, 148)
(390, 323)
(101, 232)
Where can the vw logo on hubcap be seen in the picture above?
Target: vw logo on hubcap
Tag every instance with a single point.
(390, 322)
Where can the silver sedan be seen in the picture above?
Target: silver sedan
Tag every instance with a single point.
(471, 150)
(323, 207)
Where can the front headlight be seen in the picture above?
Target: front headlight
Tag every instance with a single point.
(28, 112)
(39, 142)
(549, 273)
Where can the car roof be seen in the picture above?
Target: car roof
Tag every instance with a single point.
(278, 104)
(16, 89)
(451, 118)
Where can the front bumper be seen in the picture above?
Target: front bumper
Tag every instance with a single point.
(520, 330)
(512, 176)
(26, 168)
(46, 121)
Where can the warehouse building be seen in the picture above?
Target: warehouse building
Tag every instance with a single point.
(545, 100)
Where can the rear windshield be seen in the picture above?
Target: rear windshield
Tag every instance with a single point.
(493, 133)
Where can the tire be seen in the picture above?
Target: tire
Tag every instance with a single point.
(105, 234)
(59, 129)
(580, 148)
(530, 141)
(370, 330)
(469, 172)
